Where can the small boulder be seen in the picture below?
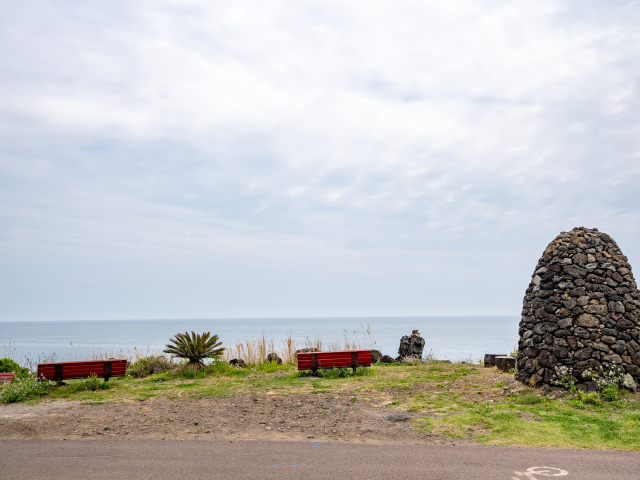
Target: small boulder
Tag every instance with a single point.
(376, 356)
(628, 382)
(535, 380)
(273, 357)
(490, 358)
(505, 364)
(387, 359)
(588, 387)
(238, 362)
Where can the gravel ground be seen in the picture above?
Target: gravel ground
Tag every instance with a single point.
(292, 417)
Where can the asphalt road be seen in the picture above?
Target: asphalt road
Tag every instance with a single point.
(223, 459)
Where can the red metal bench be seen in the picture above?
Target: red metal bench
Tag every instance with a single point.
(6, 377)
(352, 358)
(60, 371)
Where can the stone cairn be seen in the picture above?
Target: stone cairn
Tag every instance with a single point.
(581, 310)
(411, 346)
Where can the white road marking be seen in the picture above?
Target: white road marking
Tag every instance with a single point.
(543, 471)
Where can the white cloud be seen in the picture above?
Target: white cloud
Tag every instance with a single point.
(344, 152)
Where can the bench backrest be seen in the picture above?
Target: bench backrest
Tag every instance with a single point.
(82, 369)
(315, 360)
(6, 377)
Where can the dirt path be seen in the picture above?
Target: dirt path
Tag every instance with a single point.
(323, 417)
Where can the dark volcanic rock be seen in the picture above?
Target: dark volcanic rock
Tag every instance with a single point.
(411, 346)
(490, 358)
(273, 357)
(376, 356)
(238, 362)
(505, 363)
(387, 359)
(581, 310)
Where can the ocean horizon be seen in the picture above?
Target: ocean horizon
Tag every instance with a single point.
(447, 337)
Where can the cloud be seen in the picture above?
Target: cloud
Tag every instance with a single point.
(279, 158)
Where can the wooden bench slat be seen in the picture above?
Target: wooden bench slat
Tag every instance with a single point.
(313, 360)
(83, 369)
(84, 362)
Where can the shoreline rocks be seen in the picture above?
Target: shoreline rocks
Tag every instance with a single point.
(387, 359)
(274, 357)
(376, 356)
(581, 310)
(238, 362)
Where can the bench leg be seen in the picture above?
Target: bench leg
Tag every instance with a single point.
(354, 361)
(314, 363)
(58, 373)
(106, 374)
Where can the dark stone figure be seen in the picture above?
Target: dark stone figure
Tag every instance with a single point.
(581, 311)
(411, 345)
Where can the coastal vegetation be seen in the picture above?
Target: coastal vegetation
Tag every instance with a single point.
(8, 365)
(195, 348)
(457, 401)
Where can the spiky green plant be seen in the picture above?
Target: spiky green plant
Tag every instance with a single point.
(194, 348)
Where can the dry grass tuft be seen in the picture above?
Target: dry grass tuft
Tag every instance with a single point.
(252, 351)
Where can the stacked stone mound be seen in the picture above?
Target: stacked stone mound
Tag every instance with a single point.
(411, 346)
(581, 310)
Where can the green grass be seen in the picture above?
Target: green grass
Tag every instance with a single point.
(457, 400)
(529, 420)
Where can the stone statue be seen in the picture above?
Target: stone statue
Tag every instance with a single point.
(411, 345)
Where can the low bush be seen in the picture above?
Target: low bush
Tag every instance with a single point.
(611, 394)
(24, 388)
(93, 382)
(7, 365)
(588, 397)
(149, 365)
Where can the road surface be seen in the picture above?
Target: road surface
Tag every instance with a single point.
(223, 459)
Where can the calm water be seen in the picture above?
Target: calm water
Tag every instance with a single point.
(449, 337)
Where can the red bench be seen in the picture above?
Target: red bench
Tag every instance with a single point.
(352, 358)
(60, 371)
(6, 377)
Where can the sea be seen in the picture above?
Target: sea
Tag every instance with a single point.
(446, 338)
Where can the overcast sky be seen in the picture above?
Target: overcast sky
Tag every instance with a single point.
(297, 158)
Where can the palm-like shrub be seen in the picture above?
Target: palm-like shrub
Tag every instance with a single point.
(194, 348)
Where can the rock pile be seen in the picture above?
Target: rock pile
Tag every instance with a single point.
(581, 310)
(411, 346)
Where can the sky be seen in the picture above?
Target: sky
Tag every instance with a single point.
(183, 159)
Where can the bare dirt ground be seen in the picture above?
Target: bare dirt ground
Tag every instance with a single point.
(295, 417)
(346, 415)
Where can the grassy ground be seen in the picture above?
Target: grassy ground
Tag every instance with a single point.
(462, 401)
